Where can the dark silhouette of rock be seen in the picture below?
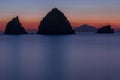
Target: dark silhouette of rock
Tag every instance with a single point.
(105, 29)
(15, 27)
(86, 28)
(55, 23)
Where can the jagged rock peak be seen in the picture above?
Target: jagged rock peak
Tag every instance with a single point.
(16, 19)
(55, 22)
(15, 27)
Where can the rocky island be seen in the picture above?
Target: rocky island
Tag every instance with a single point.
(105, 29)
(14, 27)
(55, 22)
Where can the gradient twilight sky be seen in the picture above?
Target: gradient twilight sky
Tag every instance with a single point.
(30, 12)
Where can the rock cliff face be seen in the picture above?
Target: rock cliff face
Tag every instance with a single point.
(15, 27)
(105, 29)
(55, 22)
(86, 28)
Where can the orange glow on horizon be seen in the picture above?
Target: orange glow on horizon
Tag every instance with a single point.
(33, 23)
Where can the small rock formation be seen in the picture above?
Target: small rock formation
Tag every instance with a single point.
(55, 23)
(14, 27)
(86, 28)
(105, 29)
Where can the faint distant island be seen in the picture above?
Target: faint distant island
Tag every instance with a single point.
(55, 22)
(14, 27)
(86, 28)
(105, 29)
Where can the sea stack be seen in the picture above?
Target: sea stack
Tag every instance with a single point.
(105, 29)
(15, 27)
(55, 22)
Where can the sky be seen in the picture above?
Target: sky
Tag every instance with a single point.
(92, 12)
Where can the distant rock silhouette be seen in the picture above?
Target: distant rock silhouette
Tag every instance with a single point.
(15, 27)
(105, 29)
(55, 23)
(86, 28)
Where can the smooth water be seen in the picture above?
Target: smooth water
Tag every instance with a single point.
(65, 57)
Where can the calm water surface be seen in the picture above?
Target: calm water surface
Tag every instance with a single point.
(72, 57)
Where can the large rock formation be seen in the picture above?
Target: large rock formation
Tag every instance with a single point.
(86, 28)
(15, 27)
(55, 23)
(105, 29)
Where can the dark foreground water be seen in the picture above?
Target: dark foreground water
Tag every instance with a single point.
(73, 57)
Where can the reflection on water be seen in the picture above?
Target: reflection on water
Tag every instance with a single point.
(75, 57)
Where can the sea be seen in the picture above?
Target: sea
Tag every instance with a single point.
(83, 56)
